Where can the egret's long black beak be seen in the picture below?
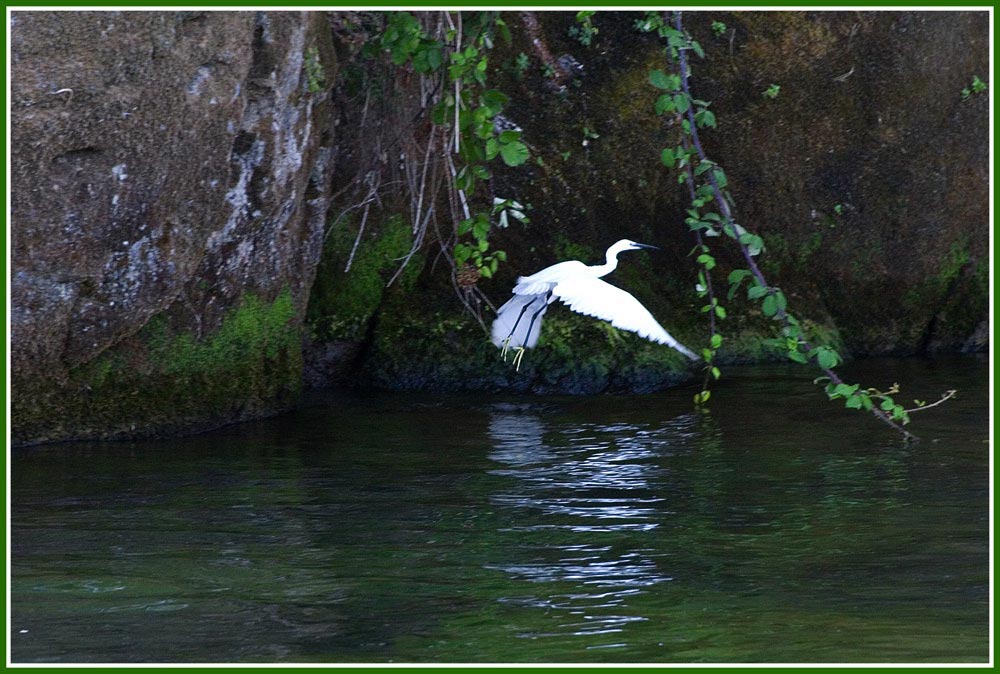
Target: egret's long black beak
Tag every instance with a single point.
(643, 245)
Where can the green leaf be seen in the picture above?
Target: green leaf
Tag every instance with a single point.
(779, 297)
(682, 102)
(668, 158)
(887, 404)
(665, 103)
(716, 372)
(492, 148)
(716, 341)
(509, 136)
(660, 80)
(702, 167)
(827, 358)
(853, 402)
(434, 57)
(720, 311)
(514, 154)
(754, 243)
(737, 275)
(769, 306)
(705, 118)
(495, 100)
(756, 292)
(845, 389)
(798, 356)
(503, 29)
(706, 260)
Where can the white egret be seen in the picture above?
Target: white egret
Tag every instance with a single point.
(579, 287)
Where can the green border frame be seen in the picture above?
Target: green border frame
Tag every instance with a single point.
(545, 5)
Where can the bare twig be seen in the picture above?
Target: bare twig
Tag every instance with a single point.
(944, 396)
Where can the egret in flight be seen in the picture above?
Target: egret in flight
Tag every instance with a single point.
(579, 287)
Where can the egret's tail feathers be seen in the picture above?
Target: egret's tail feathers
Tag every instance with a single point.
(514, 318)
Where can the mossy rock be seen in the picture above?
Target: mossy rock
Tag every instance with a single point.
(162, 381)
(439, 350)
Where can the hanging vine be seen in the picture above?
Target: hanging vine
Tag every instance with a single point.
(712, 215)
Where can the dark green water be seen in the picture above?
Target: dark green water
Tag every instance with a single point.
(778, 528)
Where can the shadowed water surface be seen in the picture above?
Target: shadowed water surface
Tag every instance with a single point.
(413, 528)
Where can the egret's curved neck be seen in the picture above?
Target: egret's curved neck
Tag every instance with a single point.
(611, 256)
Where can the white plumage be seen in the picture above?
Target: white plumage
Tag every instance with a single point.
(579, 286)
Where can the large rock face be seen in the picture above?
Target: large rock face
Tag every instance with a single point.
(170, 176)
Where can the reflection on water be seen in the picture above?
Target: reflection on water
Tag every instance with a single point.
(437, 528)
(605, 478)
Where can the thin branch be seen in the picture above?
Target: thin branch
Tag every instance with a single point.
(534, 30)
(944, 396)
(361, 231)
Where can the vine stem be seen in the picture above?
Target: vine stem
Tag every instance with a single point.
(708, 276)
(728, 215)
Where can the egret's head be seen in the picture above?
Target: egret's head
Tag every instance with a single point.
(628, 244)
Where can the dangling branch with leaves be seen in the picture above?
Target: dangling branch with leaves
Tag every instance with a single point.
(706, 185)
(452, 139)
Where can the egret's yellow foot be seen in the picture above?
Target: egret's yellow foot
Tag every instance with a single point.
(503, 351)
(518, 356)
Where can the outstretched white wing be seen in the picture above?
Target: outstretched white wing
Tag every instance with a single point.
(593, 297)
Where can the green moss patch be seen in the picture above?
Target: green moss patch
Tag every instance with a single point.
(164, 380)
(342, 303)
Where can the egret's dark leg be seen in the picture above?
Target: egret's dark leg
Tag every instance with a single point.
(531, 324)
(506, 342)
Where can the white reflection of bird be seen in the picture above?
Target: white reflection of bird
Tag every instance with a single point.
(579, 287)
